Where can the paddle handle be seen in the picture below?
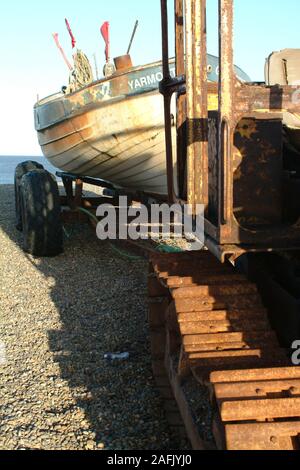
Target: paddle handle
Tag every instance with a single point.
(132, 36)
(55, 37)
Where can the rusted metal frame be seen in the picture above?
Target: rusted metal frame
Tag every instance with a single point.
(180, 101)
(179, 85)
(234, 232)
(262, 435)
(74, 199)
(184, 368)
(179, 38)
(190, 101)
(200, 127)
(237, 410)
(78, 193)
(252, 98)
(174, 85)
(110, 193)
(259, 103)
(185, 411)
(236, 101)
(226, 126)
(271, 237)
(167, 94)
(232, 251)
(197, 102)
(249, 410)
(211, 230)
(226, 105)
(68, 185)
(90, 202)
(165, 40)
(88, 180)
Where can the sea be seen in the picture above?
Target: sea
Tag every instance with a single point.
(8, 165)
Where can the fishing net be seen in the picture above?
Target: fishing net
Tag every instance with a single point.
(82, 73)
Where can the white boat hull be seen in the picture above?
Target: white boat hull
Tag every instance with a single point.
(123, 143)
(113, 129)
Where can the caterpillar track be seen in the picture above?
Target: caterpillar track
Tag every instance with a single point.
(209, 327)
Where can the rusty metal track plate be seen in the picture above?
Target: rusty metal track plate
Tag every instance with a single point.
(265, 403)
(227, 342)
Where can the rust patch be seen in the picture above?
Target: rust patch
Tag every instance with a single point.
(246, 128)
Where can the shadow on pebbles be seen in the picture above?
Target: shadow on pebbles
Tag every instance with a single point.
(58, 318)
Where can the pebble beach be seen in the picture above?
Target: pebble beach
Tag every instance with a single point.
(58, 319)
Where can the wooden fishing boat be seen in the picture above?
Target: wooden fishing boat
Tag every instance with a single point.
(113, 129)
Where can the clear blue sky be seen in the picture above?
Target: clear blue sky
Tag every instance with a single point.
(31, 64)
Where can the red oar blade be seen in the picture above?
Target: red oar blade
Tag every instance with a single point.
(71, 34)
(105, 34)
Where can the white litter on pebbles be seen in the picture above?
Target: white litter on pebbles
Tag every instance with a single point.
(58, 319)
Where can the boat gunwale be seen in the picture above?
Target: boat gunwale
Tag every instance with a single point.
(60, 95)
(97, 104)
(103, 80)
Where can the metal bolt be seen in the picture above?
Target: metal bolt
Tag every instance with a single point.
(274, 440)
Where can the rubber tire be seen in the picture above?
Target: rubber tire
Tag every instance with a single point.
(21, 170)
(41, 214)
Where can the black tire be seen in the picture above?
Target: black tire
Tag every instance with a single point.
(22, 170)
(41, 214)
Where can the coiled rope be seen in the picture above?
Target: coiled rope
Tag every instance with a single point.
(82, 73)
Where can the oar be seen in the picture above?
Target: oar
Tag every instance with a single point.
(71, 34)
(55, 37)
(132, 37)
(106, 36)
